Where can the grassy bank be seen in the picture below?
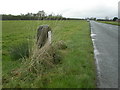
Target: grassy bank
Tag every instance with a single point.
(110, 22)
(77, 68)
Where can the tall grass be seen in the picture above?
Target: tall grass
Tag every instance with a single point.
(72, 67)
(21, 50)
(36, 63)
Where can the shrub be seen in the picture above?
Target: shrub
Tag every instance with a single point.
(19, 51)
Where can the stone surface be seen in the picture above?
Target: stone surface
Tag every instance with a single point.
(42, 35)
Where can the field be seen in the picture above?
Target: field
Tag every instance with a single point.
(77, 67)
(110, 22)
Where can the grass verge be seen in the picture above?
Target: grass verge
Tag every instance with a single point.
(76, 69)
(110, 22)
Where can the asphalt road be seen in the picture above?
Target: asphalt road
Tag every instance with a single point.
(105, 41)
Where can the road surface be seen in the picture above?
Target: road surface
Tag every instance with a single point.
(105, 41)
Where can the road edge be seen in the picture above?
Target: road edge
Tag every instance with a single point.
(95, 59)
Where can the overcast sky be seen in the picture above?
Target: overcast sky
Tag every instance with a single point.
(68, 8)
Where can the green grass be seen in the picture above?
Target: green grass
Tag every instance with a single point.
(77, 69)
(110, 22)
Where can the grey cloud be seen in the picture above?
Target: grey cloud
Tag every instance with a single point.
(100, 11)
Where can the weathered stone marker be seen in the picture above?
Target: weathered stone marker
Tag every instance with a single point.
(43, 35)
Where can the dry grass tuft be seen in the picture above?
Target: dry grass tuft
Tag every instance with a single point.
(40, 62)
(44, 58)
(61, 45)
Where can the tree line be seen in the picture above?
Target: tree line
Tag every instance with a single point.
(41, 15)
(107, 19)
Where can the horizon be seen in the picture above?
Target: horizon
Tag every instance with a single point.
(65, 17)
(69, 9)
